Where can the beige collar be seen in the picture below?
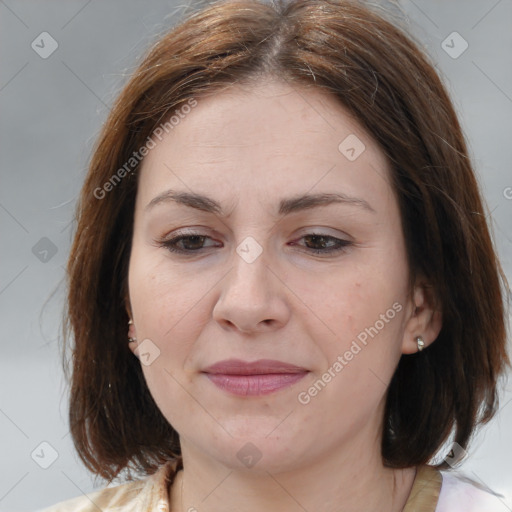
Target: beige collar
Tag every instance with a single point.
(425, 490)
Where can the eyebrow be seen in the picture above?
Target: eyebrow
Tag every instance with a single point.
(286, 206)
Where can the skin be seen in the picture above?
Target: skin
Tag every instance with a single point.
(247, 148)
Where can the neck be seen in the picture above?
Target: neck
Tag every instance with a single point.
(352, 479)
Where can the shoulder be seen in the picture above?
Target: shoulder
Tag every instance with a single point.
(104, 499)
(149, 493)
(459, 493)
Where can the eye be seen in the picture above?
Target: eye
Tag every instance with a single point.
(191, 243)
(319, 243)
(185, 244)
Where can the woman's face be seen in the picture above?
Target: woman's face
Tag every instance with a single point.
(289, 249)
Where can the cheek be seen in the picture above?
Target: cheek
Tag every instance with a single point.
(162, 324)
(349, 302)
(168, 312)
(360, 358)
(169, 391)
(162, 297)
(363, 308)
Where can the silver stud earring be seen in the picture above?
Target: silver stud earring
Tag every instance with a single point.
(130, 340)
(420, 343)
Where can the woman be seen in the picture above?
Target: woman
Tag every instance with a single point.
(283, 294)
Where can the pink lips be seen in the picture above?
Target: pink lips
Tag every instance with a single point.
(253, 378)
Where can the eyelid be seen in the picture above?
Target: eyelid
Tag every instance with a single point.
(307, 230)
(340, 246)
(324, 231)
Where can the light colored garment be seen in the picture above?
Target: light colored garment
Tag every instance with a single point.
(457, 493)
(150, 494)
(432, 491)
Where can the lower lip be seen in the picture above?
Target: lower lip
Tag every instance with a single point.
(254, 385)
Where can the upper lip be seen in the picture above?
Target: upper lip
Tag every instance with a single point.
(259, 367)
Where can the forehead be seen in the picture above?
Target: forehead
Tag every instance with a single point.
(267, 137)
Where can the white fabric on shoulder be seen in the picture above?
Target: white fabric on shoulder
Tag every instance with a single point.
(459, 494)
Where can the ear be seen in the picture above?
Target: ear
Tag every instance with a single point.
(424, 319)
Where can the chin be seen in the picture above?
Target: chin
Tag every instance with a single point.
(258, 450)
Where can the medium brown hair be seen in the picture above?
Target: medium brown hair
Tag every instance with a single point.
(378, 73)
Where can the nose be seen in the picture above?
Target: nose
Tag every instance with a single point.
(252, 298)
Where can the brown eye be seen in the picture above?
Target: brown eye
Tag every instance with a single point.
(324, 244)
(186, 243)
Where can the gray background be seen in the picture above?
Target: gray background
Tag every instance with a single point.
(51, 113)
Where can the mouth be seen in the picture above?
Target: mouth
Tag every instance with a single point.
(255, 378)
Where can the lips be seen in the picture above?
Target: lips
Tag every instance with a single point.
(254, 378)
(260, 367)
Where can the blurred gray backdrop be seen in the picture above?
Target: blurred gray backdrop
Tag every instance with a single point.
(61, 65)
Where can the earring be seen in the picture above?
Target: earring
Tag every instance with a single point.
(420, 343)
(130, 340)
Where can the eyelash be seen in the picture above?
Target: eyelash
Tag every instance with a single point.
(171, 244)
